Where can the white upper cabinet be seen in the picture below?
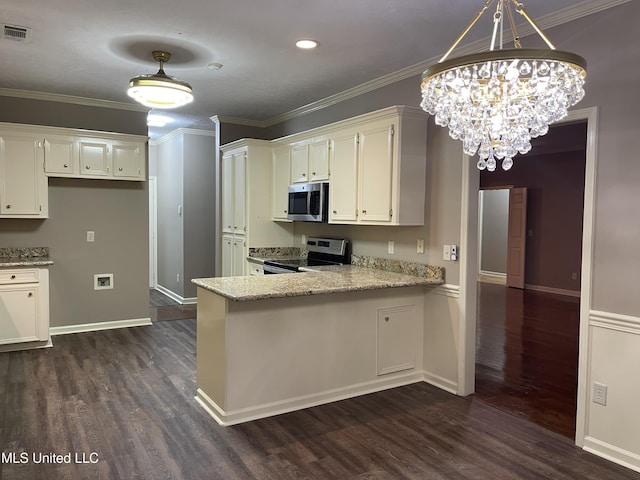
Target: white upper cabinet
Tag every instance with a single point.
(61, 155)
(378, 169)
(23, 185)
(281, 164)
(310, 160)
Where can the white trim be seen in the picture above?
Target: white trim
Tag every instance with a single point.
(555, 291)
(233, 417)
(56, 97)
(153, 231)
(16, 347)
(181, 131)
(446, 290)
(615, 321)
(586, 274)
(95, 327)
(497, 278)
(551, 20)
(175, 297)
(612, 453)
(441, 382)
(468, 276)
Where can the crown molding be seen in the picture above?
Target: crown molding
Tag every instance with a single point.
(551, 20)
(181, 131)
(56, 97)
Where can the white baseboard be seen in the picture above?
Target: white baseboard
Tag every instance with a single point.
(175, 297)
(497, 278)
(557, 291)
(441, 382)
(226, 418)
(612, 453)
(94, 327)
(15, 347)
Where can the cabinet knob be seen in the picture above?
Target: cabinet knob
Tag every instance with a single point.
(335, 211)
(313, 173)
(120, 169)
(386, 319)
(13, 277)
(364, 212)
(30, 295)
(304, 174)
(8, 206)
(66, 165)
(87, 167)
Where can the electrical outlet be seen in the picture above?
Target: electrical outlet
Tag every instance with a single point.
(303, 239)
(103, 281)
(420, 245)
(391, 247)
(599, 393)
(91, 236)
(178, 277)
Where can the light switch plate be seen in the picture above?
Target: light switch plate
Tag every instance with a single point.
(446, 252)
(91, 236)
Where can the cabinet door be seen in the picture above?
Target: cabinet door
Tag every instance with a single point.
(19, 314)
(226, 194)
(227, 256)
(239, 257)
(60, 156)
(239, 192)
(128, 160)
(95, 159)
(344, 181)
(319, 160)
(280, 182)
(299, 163)
(375, 173)
(397, 329)
(23, 185)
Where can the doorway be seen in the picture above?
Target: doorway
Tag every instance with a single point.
(469, 268)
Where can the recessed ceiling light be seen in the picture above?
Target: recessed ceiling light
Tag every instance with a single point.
(307, 44)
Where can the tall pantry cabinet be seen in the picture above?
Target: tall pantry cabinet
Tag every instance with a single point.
(245, 184)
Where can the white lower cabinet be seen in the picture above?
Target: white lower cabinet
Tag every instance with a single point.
(397, 330)
(24, 305)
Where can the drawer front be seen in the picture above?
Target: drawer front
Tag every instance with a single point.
(26, 275)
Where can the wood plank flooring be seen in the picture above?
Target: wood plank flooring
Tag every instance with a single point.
(527, 354)
(128, 397)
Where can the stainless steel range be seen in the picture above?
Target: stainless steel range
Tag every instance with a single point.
(322, 251)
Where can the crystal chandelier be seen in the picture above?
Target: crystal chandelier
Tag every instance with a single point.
(160, 90)
(497, 101)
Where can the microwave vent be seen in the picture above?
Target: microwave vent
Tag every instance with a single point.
(16, 33)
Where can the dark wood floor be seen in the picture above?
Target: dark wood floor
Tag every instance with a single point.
(527, 354)
(127, 395)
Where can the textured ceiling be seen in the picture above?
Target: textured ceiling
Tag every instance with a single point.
(91, 48)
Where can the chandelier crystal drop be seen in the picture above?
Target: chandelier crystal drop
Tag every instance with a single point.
(495, 102)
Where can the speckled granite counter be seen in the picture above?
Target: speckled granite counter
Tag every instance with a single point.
(24, 257)
(315, 281)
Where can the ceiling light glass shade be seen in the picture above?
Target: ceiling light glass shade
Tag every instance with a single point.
(160, 90)
(497, 101)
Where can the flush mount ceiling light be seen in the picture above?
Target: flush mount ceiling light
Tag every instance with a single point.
(496, 101)
(160, 90)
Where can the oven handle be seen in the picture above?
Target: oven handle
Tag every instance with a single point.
(272, 269)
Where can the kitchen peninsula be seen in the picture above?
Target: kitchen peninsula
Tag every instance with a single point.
(277, 343)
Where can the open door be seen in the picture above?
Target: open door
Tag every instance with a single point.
(517, 236)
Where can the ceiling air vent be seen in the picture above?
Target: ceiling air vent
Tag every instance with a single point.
(14, 32)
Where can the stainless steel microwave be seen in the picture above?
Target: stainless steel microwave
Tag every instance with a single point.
(308, 202)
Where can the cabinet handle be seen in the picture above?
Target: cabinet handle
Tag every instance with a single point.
(364, 212)
(13, 277)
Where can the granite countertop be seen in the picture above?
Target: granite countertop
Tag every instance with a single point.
(313, 281)
(24, 257)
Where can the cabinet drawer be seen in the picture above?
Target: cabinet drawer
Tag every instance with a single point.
(19, 276)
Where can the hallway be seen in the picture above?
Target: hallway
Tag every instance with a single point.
(527, 355)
